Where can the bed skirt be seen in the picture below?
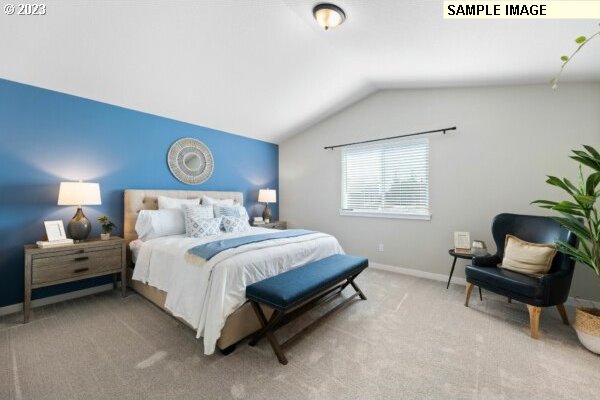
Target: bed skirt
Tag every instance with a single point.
(239, 325)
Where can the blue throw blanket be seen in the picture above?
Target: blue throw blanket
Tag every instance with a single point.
(209, 250)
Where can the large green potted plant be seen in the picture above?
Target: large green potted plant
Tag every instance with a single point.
(580, 215)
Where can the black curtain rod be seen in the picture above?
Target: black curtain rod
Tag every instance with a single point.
(444, 130)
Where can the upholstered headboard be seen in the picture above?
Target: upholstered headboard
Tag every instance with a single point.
(136, 200)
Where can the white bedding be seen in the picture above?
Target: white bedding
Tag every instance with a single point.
(135, 246)
(205, 296)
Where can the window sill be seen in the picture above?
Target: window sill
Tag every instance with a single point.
(375, 214)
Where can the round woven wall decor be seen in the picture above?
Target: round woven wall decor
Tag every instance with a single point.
(190, 161)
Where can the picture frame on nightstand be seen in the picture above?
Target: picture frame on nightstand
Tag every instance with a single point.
(55, 230)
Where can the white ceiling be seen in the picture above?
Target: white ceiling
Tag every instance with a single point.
(263, 68)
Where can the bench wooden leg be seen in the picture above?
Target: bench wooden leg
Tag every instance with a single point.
(266, 325)
(276, 348)
(267, 331)
(355, 286)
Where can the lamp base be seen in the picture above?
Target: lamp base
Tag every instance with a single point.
(79, 227)
(266, 213)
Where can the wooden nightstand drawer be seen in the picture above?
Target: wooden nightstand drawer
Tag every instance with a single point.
(74, 256)
(54, 269)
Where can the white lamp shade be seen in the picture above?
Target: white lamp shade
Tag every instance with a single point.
(79, 194)
(267, 196)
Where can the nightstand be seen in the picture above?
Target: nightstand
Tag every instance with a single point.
(273, 225)
(87, 259)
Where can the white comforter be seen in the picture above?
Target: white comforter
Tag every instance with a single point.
(205, 296)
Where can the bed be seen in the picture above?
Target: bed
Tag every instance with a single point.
(210, 300)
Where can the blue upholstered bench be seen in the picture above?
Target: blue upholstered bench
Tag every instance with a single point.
(294, 292)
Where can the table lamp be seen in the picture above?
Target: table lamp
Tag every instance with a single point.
(267, 196)
(79, 194)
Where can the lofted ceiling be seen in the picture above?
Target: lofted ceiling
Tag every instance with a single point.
(264, 68)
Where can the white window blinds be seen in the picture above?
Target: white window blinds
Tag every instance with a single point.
(387, 178)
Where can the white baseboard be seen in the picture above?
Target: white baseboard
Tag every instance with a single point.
(418, 273)
(14, 308)
(577, 302)
(571, 301)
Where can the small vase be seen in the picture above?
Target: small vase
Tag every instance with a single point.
(105, 236)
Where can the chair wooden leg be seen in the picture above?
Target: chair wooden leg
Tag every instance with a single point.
(534, 320)
(563, 313)
(468, 293)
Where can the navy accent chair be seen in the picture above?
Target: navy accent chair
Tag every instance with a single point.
(548, 290)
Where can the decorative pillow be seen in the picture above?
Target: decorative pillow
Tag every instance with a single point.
(209, 201)
(151, 224)
(235, 224)
(197, 211)
(231, 211)
(171, 202)
(532, 259)
(197, 225)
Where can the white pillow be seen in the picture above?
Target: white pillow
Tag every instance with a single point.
(156, 223)
(171, 202)
(235, 224)
(207, 200)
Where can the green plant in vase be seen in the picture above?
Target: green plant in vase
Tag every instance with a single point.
(579, 214)
(107, 227)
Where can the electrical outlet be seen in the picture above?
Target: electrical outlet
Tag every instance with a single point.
(380, 247)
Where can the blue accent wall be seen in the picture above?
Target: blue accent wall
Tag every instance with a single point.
(47, 137)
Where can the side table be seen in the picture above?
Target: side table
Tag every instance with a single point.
(457, 256)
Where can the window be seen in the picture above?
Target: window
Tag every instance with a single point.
(386, 179)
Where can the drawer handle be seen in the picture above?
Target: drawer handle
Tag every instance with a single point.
(80, 270)
(81, 258)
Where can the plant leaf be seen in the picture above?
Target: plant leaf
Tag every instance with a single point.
(564, 58)
(590, 162)
(570, 184)
(579, 255)
(545, 202)
(592, 151)
(569, 208)
(575, 226)
(585, 201)
(553, 180)
(592, 182)
(580, 39)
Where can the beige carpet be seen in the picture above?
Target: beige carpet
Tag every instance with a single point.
(411, 339)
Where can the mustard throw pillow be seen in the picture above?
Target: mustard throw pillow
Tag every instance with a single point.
(533, 259)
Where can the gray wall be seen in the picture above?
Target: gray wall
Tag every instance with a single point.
(508, 139)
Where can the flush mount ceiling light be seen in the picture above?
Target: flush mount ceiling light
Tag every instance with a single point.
(329, 15)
